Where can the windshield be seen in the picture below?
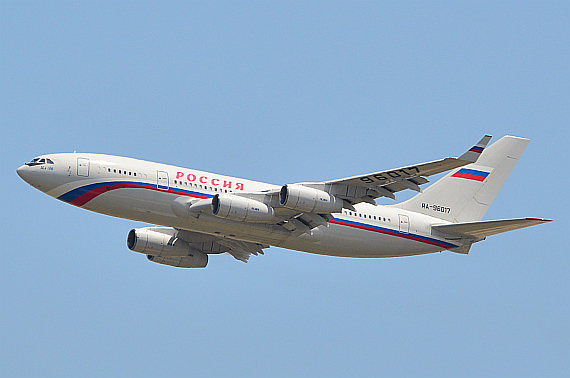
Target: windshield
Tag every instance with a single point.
(39, 161)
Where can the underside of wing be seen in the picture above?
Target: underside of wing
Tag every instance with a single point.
(210, 244)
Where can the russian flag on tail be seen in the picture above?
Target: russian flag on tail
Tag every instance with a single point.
(471, 174)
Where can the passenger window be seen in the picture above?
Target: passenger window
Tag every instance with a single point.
(129, 173)
(115, 171)
(119, 171)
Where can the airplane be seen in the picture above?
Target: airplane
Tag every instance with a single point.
(198, 213)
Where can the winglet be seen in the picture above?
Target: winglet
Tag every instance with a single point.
(473, 154)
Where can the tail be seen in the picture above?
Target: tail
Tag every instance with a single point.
(465, 194)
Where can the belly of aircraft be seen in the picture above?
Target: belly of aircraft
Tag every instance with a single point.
(335, 240)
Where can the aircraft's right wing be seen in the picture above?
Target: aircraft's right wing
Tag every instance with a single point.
(357, 189)
(482, 229)
(365, 188)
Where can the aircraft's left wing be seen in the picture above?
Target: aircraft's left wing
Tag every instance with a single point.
(210, 244)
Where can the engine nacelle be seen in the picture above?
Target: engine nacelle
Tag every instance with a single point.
(192, 261)
(309, 200)
(241, 209)
(156, 243)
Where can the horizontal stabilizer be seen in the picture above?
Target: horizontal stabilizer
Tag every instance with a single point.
(483, 229)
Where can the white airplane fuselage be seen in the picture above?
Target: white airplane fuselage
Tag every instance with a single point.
(145, 191)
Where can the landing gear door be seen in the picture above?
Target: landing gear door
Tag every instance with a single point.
(162, 180)
(83, 167)
(404, 223)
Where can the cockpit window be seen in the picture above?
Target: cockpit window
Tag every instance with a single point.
(39, 161)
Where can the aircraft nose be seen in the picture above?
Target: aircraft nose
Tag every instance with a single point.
(24, 173)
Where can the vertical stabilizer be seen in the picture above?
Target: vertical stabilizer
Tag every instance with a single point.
(465, 194)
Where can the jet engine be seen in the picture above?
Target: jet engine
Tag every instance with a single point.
(165, 249)
(308, 200)
(241, 209)
(156, 243)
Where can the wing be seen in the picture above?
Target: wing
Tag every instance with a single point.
(365, 188)
(242, 250)
(210, 244)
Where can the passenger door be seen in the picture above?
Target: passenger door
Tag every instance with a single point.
(162, 180)
(404, 223)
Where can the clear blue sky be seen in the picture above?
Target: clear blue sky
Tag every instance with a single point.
(283, 92)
